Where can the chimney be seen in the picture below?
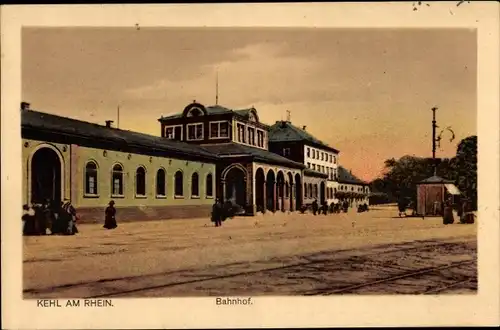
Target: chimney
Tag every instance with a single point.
(283, 124)
(108, 123)
(304, 127)
(25, 106)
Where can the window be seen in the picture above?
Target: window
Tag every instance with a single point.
(330, 158)
(251, 136)
(219, 130)
(334, 160)
(308, 152)
(308, 165)
(195, 131)
(140, 182)
(160, 182)
(195, 185)
(179, 184)
(117, 182)
(317, 154)
(305, 190)
(260, 138)
(314, 167)
(91, 178)
(322, 156)
(310, 191)
(286, 152)
(173, 132)
(315, 191)
(210, 186)
(313, 154)
(195, 112)
(241, 133)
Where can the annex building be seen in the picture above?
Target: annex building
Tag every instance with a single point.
(203, 153)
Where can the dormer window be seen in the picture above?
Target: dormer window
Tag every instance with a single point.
(251, 136)
(174, 132)
(195, 112)
(195, 131)
(286, 152)
(251, 117)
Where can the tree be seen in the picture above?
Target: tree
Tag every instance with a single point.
(465, 167)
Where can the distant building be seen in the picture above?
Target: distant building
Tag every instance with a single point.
(320, 159)
(351, 187)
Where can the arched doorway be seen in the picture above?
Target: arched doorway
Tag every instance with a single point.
(270, 196)
(298, 192)
(45, 176)
(280, 188)
(236, 186)
(259, 189)
(322, 192)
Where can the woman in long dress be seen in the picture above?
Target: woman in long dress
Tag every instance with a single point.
(448, 213)
(110, 216)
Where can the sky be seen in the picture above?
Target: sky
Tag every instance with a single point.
(365, 92)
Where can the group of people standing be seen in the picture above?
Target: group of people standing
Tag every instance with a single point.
(222, 211)
(56, 218)
(343, 206)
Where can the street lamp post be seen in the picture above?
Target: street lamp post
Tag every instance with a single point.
(434, 126)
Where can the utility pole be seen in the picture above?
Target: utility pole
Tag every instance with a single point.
(434, 126)
(288, 116)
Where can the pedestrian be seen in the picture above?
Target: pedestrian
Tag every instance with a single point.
(315, 207)
(110, 216)
(325, 208)
(217, 213)
(402, 206)
(70, 218)
(27, 220)
(448, 212)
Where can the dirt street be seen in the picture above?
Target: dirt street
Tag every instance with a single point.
(273, 254)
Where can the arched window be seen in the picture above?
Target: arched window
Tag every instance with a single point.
(209, 185)
(179, 184)
(305, 190)
(91, 178)
(140, 181)
(117, 182)
(160, 182)
(195, 185)
(310, 191)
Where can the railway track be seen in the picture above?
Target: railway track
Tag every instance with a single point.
(322, 263)
(406, 275)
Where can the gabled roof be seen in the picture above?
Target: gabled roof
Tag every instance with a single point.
(344, 176)
(284, 131)
(435, 179)
(46, 122)
(236, 149)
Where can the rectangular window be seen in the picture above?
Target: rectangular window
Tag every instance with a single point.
(286, 152)
(251, 136)
(219, 130)
(322, 156)
(260, 138)
(308, 152)
(173, 132)
(308, 165)
(195, 131)
(314, 167)
(317, 154)
(241, 133)
(331, 160)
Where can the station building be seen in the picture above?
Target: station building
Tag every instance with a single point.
(148, 177)
(202, 153)
(247, 172)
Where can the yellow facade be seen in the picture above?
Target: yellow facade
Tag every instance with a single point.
(75, 158)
